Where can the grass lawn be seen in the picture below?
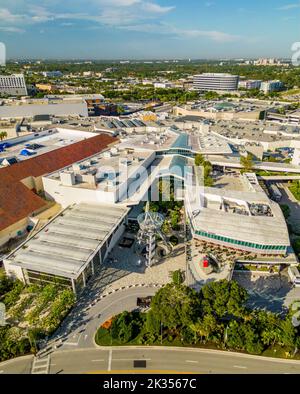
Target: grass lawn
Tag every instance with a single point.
(247, 267)
(280, 352)
(295, 189)
(290, 92)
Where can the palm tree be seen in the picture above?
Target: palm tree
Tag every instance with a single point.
(3, 134)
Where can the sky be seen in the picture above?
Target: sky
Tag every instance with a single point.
(146, 29)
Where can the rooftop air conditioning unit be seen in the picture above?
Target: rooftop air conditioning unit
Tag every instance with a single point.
(107, 155)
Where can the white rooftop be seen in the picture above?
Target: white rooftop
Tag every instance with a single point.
(67, 244)
(45, 143)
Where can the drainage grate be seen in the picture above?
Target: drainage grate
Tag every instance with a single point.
(139, 364)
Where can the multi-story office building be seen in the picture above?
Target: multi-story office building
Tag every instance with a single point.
(271, 86)
(217, 81)
(52, 74)
(13, 85)
(250, 84)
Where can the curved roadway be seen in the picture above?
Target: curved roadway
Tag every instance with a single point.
(73, 350)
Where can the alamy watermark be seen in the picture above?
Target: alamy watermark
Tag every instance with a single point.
(2, 54)
(2, 315)
(296, 55)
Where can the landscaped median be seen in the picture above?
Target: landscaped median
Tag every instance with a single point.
(215, 318)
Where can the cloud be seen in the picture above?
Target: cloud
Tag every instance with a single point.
(105, 12)
(8, 17)
(289, 7)
(132, 15)
(156, 8)
(11, 29)
(118, 3)
(166, 29)
(67, 24)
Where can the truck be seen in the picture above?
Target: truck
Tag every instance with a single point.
(294, 276)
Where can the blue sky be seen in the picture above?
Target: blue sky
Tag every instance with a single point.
(114, 29)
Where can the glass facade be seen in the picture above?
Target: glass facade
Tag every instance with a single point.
(182, 141)
(242, 244)
(40, 277)
(176, 151)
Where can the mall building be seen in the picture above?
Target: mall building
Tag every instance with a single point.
(246, 220)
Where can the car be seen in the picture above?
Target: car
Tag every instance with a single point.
(144, 302)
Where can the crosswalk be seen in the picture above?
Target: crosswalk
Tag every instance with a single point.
(41, 366)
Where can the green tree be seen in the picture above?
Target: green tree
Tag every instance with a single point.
(243, 336)
(295, 189)
(122, 327)
(287, 332)
(208, 182)
(176, 305)
(178, 277)
(120, 110)
(152, 323)
(223, 299)
(247, 162)
(6, 284)
(205, 328)
(3, 135)
(199, 160)
(211, 95)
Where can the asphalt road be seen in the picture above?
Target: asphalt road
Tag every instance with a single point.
(79, 329)
(73, 350)
(97, 361)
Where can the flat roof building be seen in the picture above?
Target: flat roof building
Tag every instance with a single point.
(240, 219)
(21, 182)
(70, 248)
(31, 110)
(13, 85)
(216, 81)
(111, 177)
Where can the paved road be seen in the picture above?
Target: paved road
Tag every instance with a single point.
(174, 360)
(73, 349)
(20, 365)
(79, 329)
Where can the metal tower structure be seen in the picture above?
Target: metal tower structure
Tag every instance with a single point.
(150, 228)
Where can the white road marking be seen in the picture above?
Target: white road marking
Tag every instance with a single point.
(192, 361)
(239, 366)
(71, 343)
(109, 360)
(96, 361)
(132, 359)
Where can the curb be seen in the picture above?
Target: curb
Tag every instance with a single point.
(200, 350)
